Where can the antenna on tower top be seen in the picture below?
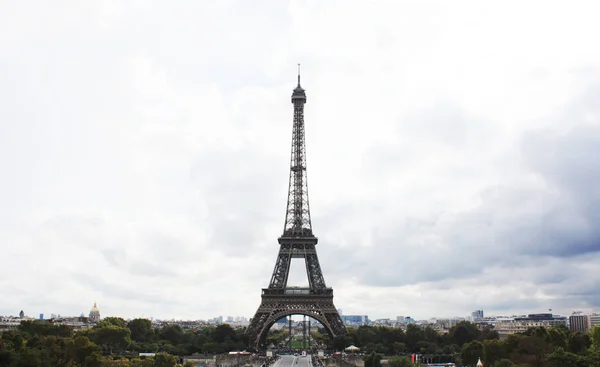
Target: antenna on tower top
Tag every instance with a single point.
(298, 74)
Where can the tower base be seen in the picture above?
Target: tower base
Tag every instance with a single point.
(279, 303)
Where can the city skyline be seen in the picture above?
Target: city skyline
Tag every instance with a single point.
(451, 155)
(228, 318)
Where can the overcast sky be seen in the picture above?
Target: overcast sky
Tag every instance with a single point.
(453, 154)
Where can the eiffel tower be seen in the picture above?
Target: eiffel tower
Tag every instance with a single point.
(297, 241)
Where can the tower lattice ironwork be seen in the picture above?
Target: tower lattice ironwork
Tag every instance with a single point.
(297, 241)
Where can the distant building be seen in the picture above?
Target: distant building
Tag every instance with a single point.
(477, 315)
(355, 319)
(579, 323)
(94, 314)
(76, 322)
(21, 314)
(409, 320)
(594, 319)
(12, 322)
(41, 316)
(518, 324)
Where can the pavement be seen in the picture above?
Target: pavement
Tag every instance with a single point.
(293, 361)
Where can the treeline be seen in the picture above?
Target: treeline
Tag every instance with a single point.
(464, 344)
(112, 342)
(116, 342)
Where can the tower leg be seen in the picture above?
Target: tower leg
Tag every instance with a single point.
(304, 332)
(290, 329)
(309, 334)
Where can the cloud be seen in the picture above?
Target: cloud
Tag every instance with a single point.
(144, 151)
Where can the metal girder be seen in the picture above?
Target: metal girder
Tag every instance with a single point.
(274, 308)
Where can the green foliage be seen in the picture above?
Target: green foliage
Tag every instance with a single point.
(141, 330)
(164, 360)
(561, 358)
(532, 350)
(111, 321)
(113, 339)
(471, 352)
(372, 360)
(173, 334)
(593, 358)
(463, 332)
(489, 334)
(494, 350)
(39, 343)
(579, 343)
(44, 328)
(400, 361)
(222, 332)
(503, 363)
(595, 338)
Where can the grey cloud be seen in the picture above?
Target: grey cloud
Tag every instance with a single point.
(244, 192)
(113, 112)
(511, 225)
(118, 258)
(120, 289)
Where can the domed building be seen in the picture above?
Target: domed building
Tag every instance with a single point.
(94, 314)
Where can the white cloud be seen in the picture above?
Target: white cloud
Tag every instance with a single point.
(144, 151)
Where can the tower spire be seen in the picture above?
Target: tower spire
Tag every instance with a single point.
(297, 216)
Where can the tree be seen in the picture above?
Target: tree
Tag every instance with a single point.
(221, 332)
(463, 332)
(111, 338)
(53, 349)
(560, 358)
(431, 335)
(504, 363)
(533, 350)
(595, 337)
(400, 361)
(579, 342)
(471, 352)
(593, 358)
(44, 328)
(398, 347)
(372, 360)
(164, 360)
(29, 358)
(211, 348)
(94, 360)
(495, 350)
(13, 340)
(80, 348)
(7, 357)
(414, 334)
(111, 321)
(141, 330)
(173, 334)
(559, 336)
(489, 334)
(342, 341)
